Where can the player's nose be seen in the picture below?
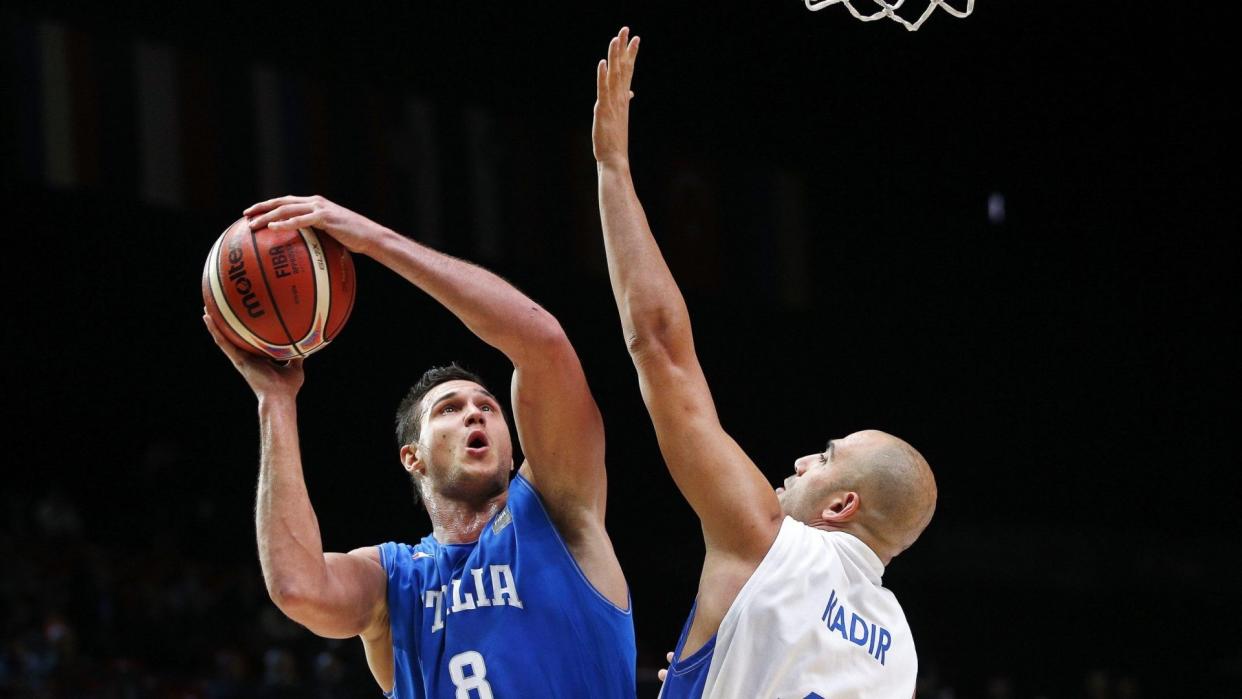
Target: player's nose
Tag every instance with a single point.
(801, 464)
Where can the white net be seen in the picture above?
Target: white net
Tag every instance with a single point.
(889, 10)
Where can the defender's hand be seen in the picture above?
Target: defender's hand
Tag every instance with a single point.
(610, 132)
(663, 674)
(353, 230)
(266, 378)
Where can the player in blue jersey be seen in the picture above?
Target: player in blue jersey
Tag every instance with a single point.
(517, 591)
(790, 601)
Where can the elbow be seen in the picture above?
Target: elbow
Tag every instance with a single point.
(640, 344)
(656, 339)
(544, 328)
(291, 597)
(298, 604)
(312, 614)
(543, 336)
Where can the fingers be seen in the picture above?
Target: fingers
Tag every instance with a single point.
(303, 221)
(663, 674)
(233, 353)
(631, 57)
(211, 326)
(288, 366)
(270, 204)
(273, 218)
(622, 52)
(613, 74)
(613, 53)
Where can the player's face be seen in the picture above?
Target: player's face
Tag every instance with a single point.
(464, 445)
(808, 470)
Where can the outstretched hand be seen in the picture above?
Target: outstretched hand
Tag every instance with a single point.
(265, 377)
(610, 133)
(353, 230)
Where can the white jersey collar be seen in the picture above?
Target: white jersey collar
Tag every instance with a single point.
(862, 555)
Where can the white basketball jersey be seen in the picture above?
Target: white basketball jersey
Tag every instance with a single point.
(814, 621)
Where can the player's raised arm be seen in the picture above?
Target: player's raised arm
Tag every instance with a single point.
(334, 595)
(558, 423)
(738, 509)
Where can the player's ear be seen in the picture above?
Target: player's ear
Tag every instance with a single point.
(842, 507)
(411, 459)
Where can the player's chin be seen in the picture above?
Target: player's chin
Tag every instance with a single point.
(478, 467)
(486, 467)
(478, 479)
(782, 497)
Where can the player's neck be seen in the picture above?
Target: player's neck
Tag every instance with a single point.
(460, 521)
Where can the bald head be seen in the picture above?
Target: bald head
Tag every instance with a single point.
(895, 489)
(898, 483)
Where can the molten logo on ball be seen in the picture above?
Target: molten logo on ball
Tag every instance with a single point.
(304, 278)
(237, 275)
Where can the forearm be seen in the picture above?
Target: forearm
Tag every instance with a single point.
(653, 312)
(722, 485)
(290, 548)
(492, 308)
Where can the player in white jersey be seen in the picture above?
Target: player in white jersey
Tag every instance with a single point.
(790, 601)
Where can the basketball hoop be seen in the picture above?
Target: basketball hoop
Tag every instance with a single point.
(889, 10)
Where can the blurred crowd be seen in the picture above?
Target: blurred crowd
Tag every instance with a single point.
(162, 619)
(83, 619)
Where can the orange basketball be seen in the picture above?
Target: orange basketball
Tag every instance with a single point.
(278, 294)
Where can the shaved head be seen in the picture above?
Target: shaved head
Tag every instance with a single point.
(901, 487)
(895, 485)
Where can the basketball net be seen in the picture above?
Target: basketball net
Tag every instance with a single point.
(889, 10)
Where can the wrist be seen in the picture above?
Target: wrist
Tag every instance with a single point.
(372, 238)
(613, 161)
(380, 241)
(276, 402)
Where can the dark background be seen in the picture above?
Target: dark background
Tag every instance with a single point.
(821, 187)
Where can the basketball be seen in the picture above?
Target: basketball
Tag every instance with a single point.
(278, 294)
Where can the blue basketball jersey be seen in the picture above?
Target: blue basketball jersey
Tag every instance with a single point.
(510, 615)
(688, 675)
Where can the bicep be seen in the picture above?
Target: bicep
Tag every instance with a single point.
(736, 505)
(354, 598)
(560, 428)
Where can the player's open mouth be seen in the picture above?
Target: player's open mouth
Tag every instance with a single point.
(476, 443)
